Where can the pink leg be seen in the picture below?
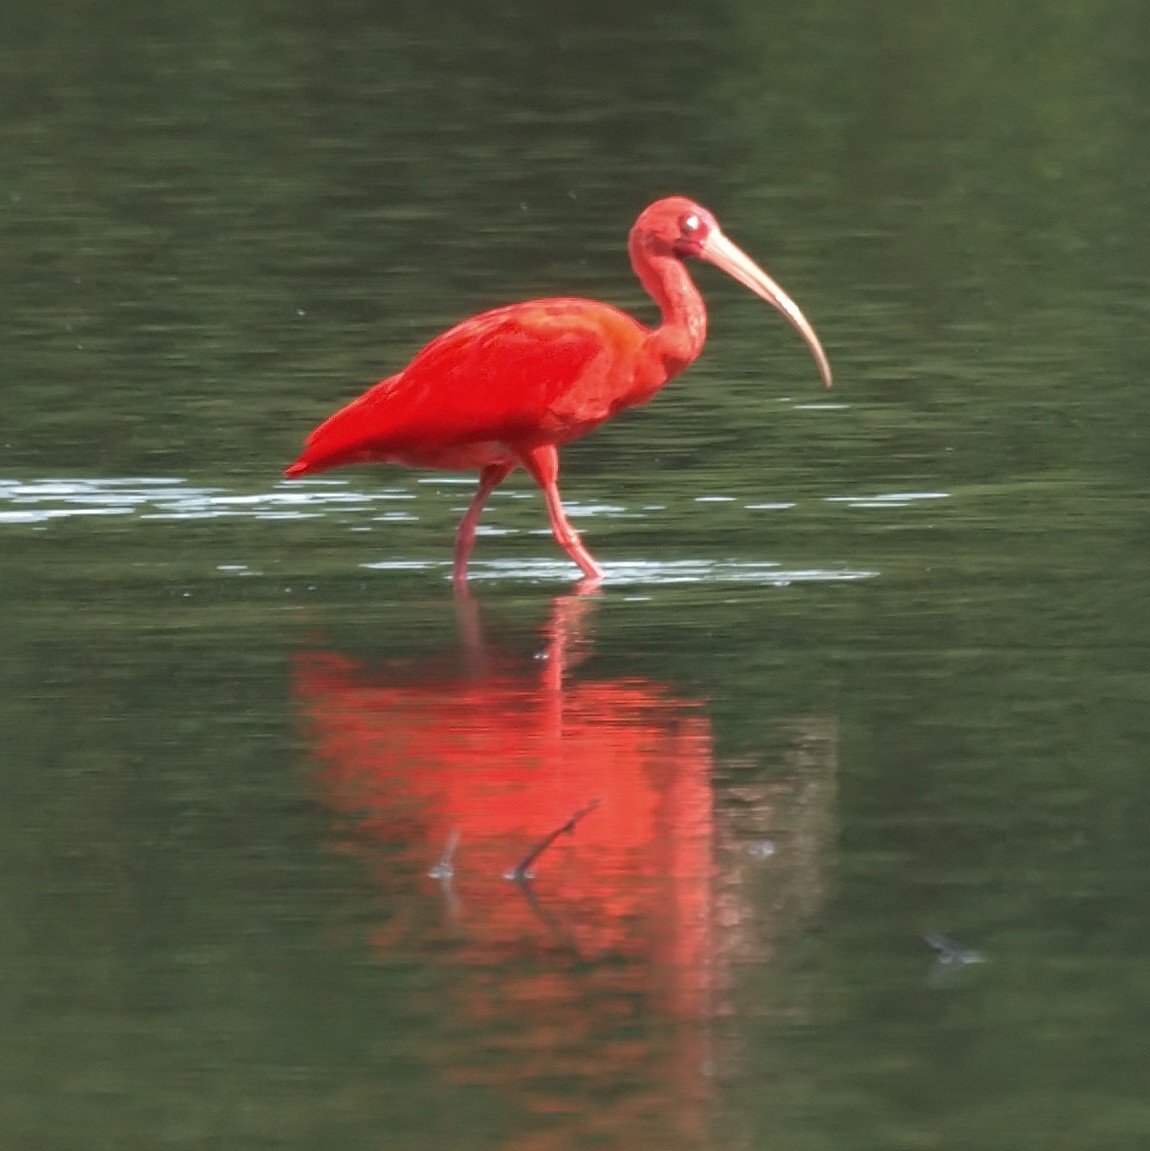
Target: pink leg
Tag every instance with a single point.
(543, 463)
(489, 479)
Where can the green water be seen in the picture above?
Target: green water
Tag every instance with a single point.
(866, 666)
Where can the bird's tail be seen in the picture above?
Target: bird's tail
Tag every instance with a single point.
(351, 435)
(300, 468)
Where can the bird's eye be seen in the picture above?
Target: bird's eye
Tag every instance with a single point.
(690, 224)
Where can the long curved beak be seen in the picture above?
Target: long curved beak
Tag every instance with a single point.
(718, 250)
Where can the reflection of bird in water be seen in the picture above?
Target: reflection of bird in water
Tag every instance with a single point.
(597, 974)
(608, 972)
(493, 753)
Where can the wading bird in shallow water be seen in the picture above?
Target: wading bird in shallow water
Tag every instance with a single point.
(506, 388)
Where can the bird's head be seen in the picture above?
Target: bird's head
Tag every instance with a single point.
(680, 228)
(674, 226)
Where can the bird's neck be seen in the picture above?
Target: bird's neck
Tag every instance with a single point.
(679, 339)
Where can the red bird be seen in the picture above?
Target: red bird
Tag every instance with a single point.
(507, 387)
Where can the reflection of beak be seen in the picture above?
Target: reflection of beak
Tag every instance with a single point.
(718, 250)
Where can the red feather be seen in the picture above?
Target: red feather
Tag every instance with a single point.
(543, 371)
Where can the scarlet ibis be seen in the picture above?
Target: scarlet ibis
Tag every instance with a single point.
(507, 387)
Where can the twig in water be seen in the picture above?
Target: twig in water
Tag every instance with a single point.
(445, 868)
(522, 870)
(951, 952)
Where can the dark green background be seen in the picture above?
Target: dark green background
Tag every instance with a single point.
(219, 221)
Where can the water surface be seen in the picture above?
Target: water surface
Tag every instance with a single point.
(867, 669)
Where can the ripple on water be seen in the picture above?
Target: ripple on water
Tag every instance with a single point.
(41, 501)
(643, 572)
(168, 498)
(887, 499)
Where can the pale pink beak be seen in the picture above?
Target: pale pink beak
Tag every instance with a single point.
(718, 250)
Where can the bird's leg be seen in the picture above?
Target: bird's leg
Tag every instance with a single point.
(489, 479)
(543, 463)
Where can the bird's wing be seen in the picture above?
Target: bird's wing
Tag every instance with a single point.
(547, 369)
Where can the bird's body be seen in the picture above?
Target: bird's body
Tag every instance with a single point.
(506, 388)
(544, 371)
